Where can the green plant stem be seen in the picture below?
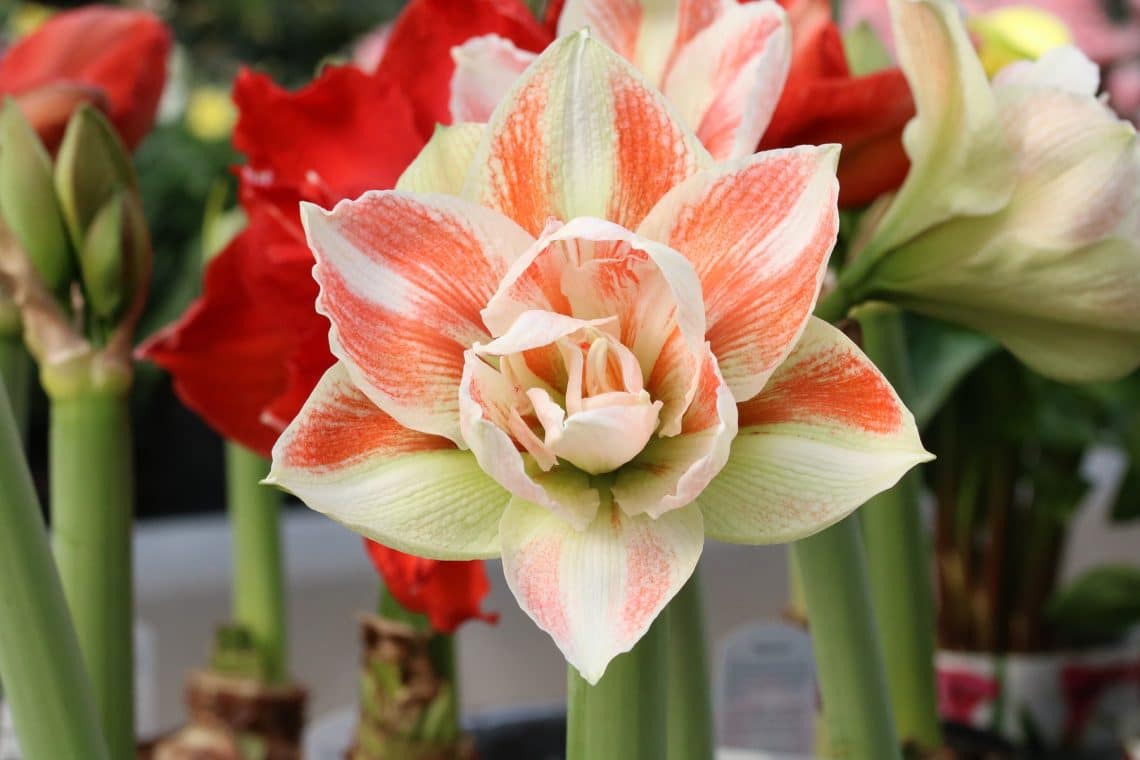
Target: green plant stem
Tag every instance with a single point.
(856, 706)
(258, 582)
(16, 371)
(46, 687)
(899, 561)
(623, 715)
(91, 505)
(690, 718)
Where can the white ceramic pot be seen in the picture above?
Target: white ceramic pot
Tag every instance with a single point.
(1082, 700)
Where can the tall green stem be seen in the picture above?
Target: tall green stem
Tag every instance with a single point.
(899, 560)
(690, 717)
(91, 506)
(16, 371)
(623, 715)
(258, 582)
(856, 708)
(46, 687)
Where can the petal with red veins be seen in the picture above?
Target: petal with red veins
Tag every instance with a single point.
(403, 278)
(646, 32)
(758, 232)
(727, 80)
(415, 492)
(581, 134)
(486, 400)
(827, 433)
(671, 472)
(485, 69)
(597, 590)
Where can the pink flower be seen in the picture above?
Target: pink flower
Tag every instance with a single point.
(574, 340)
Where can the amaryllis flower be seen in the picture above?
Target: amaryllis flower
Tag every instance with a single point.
(587, 352)
(112, 57)
(449, 593)
(1025, 186)
(723, 64)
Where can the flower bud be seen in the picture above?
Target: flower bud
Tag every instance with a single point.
(102, 263)
(28, 202)
(91, 168)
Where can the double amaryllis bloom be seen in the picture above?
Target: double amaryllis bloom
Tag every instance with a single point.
(723, 64)
(350, 131)
(113, 58)
(573, 339)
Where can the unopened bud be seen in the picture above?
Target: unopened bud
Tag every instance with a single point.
(102, 261)
(91, 168)
(28, 201)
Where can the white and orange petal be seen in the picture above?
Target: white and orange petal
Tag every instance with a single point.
(827, 433)
(412, 491)
(485, 69)
(597, 590)
(486, 401)
(670, 473)
(403, 278)
(758, 231)
(581, 133)
(646, 32)
(726, 81)
(594, 269)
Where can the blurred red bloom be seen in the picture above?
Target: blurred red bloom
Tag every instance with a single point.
(250, 349)
(823, 103)
(449, 593)
(112, 57)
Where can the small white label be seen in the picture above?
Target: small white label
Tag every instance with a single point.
(766, 690)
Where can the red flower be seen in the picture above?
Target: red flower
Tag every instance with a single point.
(249, 351)
(449, 593)
(419, 50)
(112, 57)
(823, 103)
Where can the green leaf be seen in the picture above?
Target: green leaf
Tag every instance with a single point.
(941, 356)
(1103, 602)
(28, 202)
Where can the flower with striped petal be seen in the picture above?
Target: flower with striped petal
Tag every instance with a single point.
(721, 63)
(598, 352)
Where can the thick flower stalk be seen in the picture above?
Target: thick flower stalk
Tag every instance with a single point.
(1025, 186)
(724, 64)
(588, 353)
(77, 265)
